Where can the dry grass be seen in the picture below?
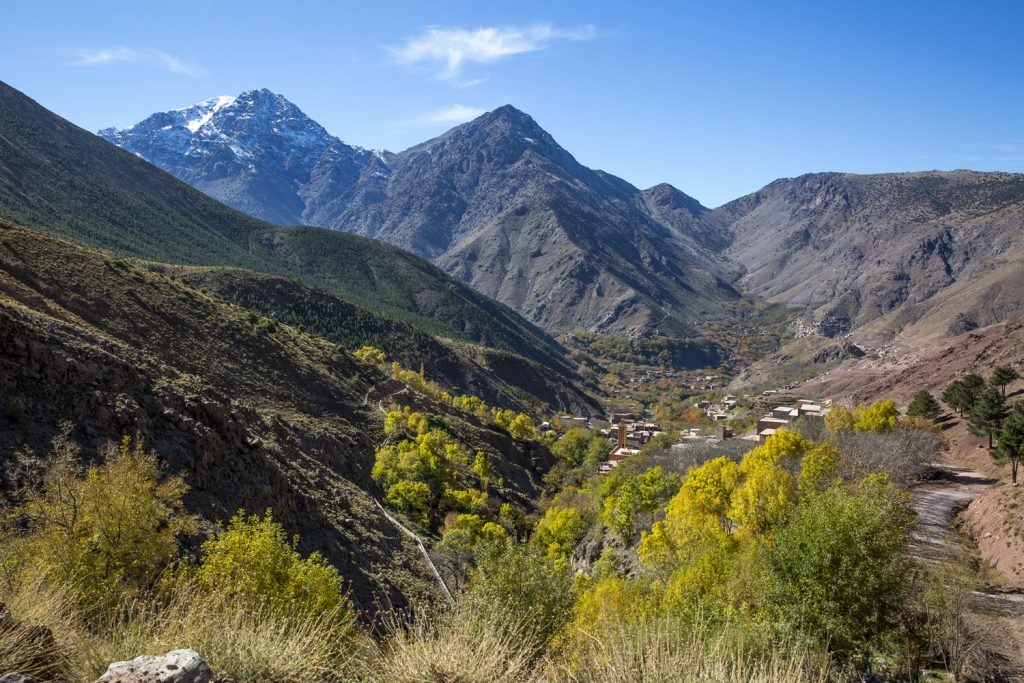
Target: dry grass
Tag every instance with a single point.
(467, 645)
(469, 648)
(243, 641)
(670, 651)
(31, 601)
(463, 646)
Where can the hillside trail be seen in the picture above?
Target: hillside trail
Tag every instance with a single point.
(937, 503)
(398, 525)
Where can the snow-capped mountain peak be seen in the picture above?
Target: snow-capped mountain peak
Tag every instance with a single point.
(254, 150)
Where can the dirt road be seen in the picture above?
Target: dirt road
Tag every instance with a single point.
(937, 503)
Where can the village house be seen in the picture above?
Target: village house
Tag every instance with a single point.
(767, 426)
(630, 436)
(780, 416)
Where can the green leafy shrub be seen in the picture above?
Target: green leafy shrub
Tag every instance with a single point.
(254, 560)
(109, 533)
(838, 570)
(518, 580)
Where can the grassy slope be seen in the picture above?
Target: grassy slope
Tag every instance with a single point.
(62, 179)
(499, 378)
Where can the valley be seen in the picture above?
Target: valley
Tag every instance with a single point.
(473, 406)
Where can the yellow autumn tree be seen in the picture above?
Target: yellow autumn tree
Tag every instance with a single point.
(110, 533)
(878, 417)
(612, 601)
(840, 419)
(819, 469)
(558, 531)
(255, 561)
(696, 518)
(371, 354)
(769, 482)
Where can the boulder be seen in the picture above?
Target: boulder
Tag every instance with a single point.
(19, 678)
(179, 666)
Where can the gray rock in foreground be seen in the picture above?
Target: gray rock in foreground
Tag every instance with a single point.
(18, 678)
(179, 666)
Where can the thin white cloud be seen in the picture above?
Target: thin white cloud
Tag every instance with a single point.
(448, 50)
(1009, 153)
(455, 114)
(127, 55)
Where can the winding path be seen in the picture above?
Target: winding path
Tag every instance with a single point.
(936, 503)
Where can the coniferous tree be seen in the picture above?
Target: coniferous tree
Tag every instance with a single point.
(924, 405)
(1011, 440)
(972, 387)
(1002, 376)
(987, 414)
(953, 395)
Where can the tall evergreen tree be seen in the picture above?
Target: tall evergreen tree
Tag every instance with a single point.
(972, 387)
(987, 414)
(1002, 376)
(924, 405)
(1011, 440)
(953, 395)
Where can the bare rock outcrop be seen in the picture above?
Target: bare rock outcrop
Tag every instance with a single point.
(177, 666)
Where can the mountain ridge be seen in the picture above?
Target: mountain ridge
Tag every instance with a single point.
(885, 256)
(497, 203)
(500, 205)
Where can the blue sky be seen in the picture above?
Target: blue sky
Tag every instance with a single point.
(717, 98)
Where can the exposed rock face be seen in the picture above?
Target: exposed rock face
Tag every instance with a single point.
(525, 223)
(496, 202)
(923, 254)
(177, 666)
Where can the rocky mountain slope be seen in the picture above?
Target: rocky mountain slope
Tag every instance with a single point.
(932, 367)
(256, 152)
(566, 246)
(64, 180)
(499, 204)
(253, 415)
(495, 202)
(911, 256)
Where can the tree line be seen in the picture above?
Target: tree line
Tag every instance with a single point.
(984, 404)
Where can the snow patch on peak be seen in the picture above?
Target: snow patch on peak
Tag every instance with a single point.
(205, 111)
